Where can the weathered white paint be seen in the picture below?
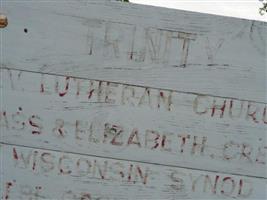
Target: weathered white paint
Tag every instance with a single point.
(134, 123)
(55, 175)
(141, 45)
(147, 103)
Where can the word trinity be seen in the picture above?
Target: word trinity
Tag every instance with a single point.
(84, 173)
(139, 44)
(105, 92)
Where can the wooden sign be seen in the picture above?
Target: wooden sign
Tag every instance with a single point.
(140, 45)
(108, 100)
(137, 123)
(56, 175)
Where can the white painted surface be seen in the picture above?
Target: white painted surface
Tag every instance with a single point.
(175, 92)
(134, 123)
(56, 175)
(140, 45)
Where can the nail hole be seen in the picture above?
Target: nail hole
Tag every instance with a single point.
(25, 30)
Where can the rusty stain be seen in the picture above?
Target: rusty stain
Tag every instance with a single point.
(42, 88)
(8, 186)
(3, 21)
(222, 108)
(15, 155)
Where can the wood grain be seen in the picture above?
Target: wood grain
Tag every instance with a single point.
(133, 123)
(139, 45)
(85, 177)
(108, 100)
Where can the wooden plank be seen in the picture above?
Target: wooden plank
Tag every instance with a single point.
(134, 123)
(85, 177)
(140, 45)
